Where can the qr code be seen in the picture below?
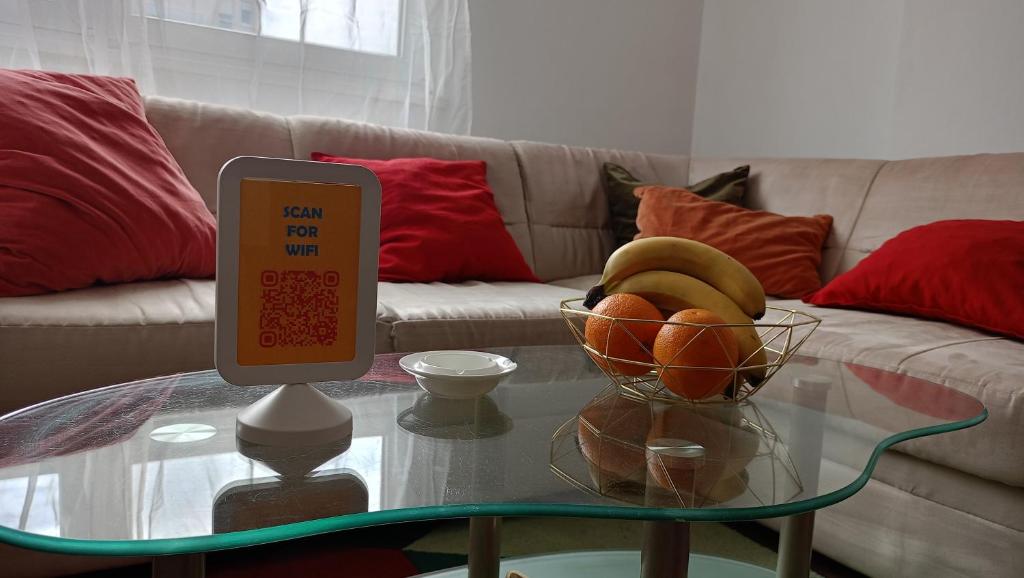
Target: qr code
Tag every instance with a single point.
(298, 308)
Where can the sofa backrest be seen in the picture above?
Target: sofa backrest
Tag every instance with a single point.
(202, 137)
(914, 192)
(835, 187)
(872, 201)
(552, 200)
(567, 205)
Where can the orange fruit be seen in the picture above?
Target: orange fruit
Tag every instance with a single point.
(630, 340)
(696, 347)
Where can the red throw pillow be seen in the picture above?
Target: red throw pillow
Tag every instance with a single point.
(89, 193)
(438, 222)
(969, 272)
(782, 252)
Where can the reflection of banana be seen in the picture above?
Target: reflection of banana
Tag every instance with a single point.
(683, 256)
(675, 292)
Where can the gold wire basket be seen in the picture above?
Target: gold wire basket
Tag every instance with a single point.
(781, 332)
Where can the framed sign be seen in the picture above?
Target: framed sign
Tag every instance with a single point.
(297, 248)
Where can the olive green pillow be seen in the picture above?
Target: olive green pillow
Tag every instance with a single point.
(728, 187)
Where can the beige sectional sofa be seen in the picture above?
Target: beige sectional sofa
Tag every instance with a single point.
(945, 506)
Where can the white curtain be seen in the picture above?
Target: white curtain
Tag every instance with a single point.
(394, 62)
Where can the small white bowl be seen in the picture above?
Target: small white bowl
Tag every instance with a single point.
(457, 374)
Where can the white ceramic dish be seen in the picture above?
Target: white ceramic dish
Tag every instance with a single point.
(457, 374)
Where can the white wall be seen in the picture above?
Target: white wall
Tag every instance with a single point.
(874, 78)
(602, 73)
(795, 77)
(960, 87)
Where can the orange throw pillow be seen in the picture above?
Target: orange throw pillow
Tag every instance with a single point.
(782, 252)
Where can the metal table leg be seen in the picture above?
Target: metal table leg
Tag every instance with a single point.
(795, 542)
(180, 566)
(666, 552)
(484, 546)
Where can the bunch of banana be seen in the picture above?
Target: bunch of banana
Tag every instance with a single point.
(676, 274)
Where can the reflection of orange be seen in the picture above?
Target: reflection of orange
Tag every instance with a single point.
(692, 346)
(624, 339)
(611, 432)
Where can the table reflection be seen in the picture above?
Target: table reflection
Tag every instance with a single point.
(293, 461)
(457, 419)
(674, 455)
(258, 503)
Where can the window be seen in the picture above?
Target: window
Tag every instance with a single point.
(392, 62)
(370, 26)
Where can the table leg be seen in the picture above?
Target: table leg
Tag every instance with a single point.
(180, 566)
(666, 551)
(484, 546)
(795, 542)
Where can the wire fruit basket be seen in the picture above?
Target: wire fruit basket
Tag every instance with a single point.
(684, 376)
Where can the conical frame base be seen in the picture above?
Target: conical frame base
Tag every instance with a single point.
(294, 415)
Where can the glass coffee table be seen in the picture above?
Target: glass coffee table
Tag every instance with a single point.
(153, 467)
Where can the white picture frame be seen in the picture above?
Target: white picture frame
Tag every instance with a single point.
(228, 243)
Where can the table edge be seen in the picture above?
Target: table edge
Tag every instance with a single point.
(245, 538)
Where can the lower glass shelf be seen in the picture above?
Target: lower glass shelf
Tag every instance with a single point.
(608, 564)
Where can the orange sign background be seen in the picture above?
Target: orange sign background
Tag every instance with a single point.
(298, 272)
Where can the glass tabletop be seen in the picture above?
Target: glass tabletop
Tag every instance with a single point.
(154, 467)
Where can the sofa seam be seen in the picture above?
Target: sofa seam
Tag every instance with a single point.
(526, 202)
(860, 211)
(291, 137)
(900, 363)
(114, 326)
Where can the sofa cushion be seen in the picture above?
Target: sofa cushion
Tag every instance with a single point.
(986, 499)
(568, 208)
(939, 352)
(834, 187)
(367, 141)
(991, 370)
(425, 316)
(918, 191)
(67, 342)
(883, 530)
(202, 137)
